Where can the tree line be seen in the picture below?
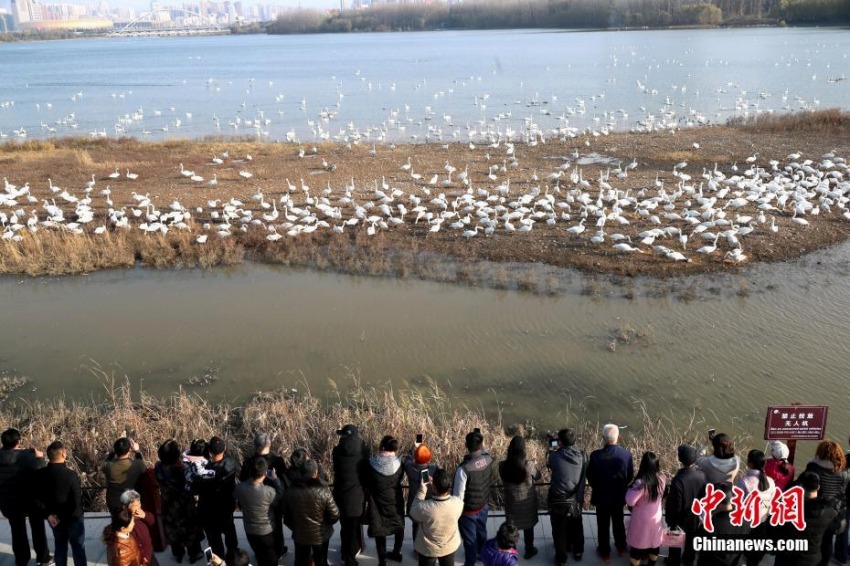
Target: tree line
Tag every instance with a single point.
(581, 14)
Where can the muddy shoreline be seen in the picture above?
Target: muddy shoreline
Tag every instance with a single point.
(287, 177)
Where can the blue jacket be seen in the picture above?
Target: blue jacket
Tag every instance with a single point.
(492, 555)
(609, 473)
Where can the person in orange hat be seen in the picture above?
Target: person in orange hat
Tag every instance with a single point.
(415, 461)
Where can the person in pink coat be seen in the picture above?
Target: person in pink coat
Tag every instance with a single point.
(647, 523)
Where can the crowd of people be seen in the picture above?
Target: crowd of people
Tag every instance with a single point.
(191, 495)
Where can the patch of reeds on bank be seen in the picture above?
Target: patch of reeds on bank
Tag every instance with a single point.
(63, 253)
(832, 121)
(299, 418)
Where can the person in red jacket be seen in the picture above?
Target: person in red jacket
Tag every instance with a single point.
(777, 467)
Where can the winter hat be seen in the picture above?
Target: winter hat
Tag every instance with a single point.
(347, 430)
(779, 450)
(687, 454)
(422, 455)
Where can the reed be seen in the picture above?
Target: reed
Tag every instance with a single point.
(60, 253)
(833, 121)
(300, 418)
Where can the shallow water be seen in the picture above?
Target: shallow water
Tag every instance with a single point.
(724, 346)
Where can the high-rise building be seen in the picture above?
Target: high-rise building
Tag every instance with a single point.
(7, 22)
(24, 11)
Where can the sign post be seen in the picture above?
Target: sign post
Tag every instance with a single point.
(795, 422)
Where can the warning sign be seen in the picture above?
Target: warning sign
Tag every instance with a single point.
(795, 422)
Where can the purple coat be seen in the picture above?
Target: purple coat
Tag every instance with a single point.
(647, 523)
(492, 555)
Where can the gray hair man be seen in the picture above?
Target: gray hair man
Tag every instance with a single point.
(609, 472)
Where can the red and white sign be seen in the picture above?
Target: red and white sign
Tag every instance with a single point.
(795, 422)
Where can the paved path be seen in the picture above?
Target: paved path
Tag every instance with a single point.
(543, 540)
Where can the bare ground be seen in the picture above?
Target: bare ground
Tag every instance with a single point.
(408, 248)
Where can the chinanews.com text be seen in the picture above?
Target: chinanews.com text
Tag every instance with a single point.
(724, 544)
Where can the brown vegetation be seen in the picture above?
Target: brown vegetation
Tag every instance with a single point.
(300, 419)
(60, 253)
(408, 250)
(831, 121)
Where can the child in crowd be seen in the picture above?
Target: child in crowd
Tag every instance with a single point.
(778, 467)
(195, 464)
(501, 551)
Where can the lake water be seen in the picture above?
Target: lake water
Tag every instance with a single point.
(406, 87)
(723, 346)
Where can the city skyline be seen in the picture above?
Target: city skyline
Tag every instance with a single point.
(144, 5)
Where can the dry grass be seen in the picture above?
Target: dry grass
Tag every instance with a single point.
(301, 419)
(833, 121)
(59, 253)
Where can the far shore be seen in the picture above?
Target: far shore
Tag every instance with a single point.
(259, 28)
(382, 209)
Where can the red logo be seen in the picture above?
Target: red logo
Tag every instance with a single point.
(785, 507)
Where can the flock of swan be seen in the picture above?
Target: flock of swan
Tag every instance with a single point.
(711, 212)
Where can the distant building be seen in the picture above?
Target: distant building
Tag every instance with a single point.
(7, 22)
(25, 11)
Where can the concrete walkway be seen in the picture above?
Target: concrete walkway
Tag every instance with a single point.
(95, 522)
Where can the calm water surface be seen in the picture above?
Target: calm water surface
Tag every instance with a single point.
(725, 345)
(406, 86)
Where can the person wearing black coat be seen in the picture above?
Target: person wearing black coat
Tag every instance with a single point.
(386, 501)
(688, 484)
(569, 479)
(819, 513)
(310, 509)
(216, 502)
(350, 460)
(263, 449)
(16, 491)
(59, 498)
(829, 464)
